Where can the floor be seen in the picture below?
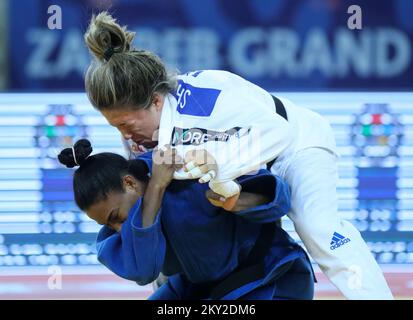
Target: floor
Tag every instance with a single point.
(97, 283)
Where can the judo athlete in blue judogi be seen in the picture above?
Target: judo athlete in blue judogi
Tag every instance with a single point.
(206, 252)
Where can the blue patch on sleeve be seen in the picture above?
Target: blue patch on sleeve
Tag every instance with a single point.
(195, 101)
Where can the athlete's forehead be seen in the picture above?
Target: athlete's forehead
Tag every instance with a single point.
(116, 117)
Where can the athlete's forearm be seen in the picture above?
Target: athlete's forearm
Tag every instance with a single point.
(249, 200)
(152, 201)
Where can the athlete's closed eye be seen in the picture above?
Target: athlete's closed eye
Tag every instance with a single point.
(114, 214)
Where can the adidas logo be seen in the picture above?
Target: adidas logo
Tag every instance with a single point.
(338, 240)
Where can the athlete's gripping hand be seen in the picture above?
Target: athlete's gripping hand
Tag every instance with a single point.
(229, 204)
(200, 164)
(165, 162)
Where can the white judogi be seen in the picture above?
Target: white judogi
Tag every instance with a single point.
(236, 122)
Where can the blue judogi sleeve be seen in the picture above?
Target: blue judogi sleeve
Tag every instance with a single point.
(271, 186)
(135, 253)
(265, 183)
(147, 158)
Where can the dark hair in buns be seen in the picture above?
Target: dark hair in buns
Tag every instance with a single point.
(99, 174)
(82, 149)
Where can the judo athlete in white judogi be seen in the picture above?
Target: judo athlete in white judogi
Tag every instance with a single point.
(223, 113)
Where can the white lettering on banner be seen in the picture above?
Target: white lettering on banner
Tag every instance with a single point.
(254, 64)
(175, 41)
(203, 50)
(316, 54)
(358, 53)
(353, 53)
(283, 46)
(44, 42)
(72, 54)
(251, 52)
(148, 39)
(366, 54)
(387, 66)
(190, 49)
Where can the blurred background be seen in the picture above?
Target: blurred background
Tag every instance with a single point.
(361, 80)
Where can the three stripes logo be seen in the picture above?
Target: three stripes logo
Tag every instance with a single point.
(337, 241)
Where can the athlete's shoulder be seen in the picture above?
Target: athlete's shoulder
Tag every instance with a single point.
(208, 76)
(197, 95)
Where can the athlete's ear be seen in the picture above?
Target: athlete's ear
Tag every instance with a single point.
(130, 183)
(158, 100)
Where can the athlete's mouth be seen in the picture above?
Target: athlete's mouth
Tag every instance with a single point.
(147, 144)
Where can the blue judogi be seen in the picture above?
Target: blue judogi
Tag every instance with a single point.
(196, 244)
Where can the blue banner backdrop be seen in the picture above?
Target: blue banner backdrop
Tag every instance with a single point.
(278, 44)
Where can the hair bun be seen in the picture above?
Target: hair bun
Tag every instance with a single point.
(104, 33)
(82, 149)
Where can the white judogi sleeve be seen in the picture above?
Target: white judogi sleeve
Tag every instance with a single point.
(228, 116)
